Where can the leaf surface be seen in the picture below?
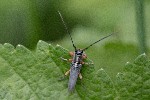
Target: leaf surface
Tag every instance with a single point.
(34, 75)
(134, 82)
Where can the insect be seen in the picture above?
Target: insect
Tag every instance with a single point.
(77, 60)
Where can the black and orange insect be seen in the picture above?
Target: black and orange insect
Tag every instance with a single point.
(77, 60)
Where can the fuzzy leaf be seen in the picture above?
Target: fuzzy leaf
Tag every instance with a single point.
(95, 85)
(34, 75)
(26, 75)
(134, 82)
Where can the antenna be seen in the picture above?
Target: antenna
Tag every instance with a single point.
(97, 41)
(67, 29)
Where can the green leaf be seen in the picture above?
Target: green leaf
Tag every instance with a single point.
(25, 75)
(134, 82)
(90, 87)
(35, 75)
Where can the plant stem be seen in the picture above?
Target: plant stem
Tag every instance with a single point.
(139, 5)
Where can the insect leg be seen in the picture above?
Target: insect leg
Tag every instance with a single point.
(89, 63)
(63, 59)
(67, 72)
(85, 63)
(70, 60)
(80, 76)
(84, 56)
(64, 77)
(71, 53)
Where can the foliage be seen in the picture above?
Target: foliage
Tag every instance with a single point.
(34, 75)
(134, 82)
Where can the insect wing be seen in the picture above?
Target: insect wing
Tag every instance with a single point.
(73, 77)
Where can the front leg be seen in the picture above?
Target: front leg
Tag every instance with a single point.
(70, 60)
(63, 59)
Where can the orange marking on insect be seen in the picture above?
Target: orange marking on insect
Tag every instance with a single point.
(84, 56)
(82, 62)
(70, 60)
(71, 53)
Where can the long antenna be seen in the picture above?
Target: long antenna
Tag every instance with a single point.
(97, 41)
(67, 29)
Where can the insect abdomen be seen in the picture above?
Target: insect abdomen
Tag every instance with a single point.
(73, 78)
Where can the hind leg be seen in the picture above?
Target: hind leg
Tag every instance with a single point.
(80, 76)
(67, 72)
(65, 75)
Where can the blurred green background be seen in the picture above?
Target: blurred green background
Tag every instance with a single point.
(28, 21)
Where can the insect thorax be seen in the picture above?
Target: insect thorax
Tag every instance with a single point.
(78, 56)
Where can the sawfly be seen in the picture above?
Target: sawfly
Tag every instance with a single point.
(77, 59)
